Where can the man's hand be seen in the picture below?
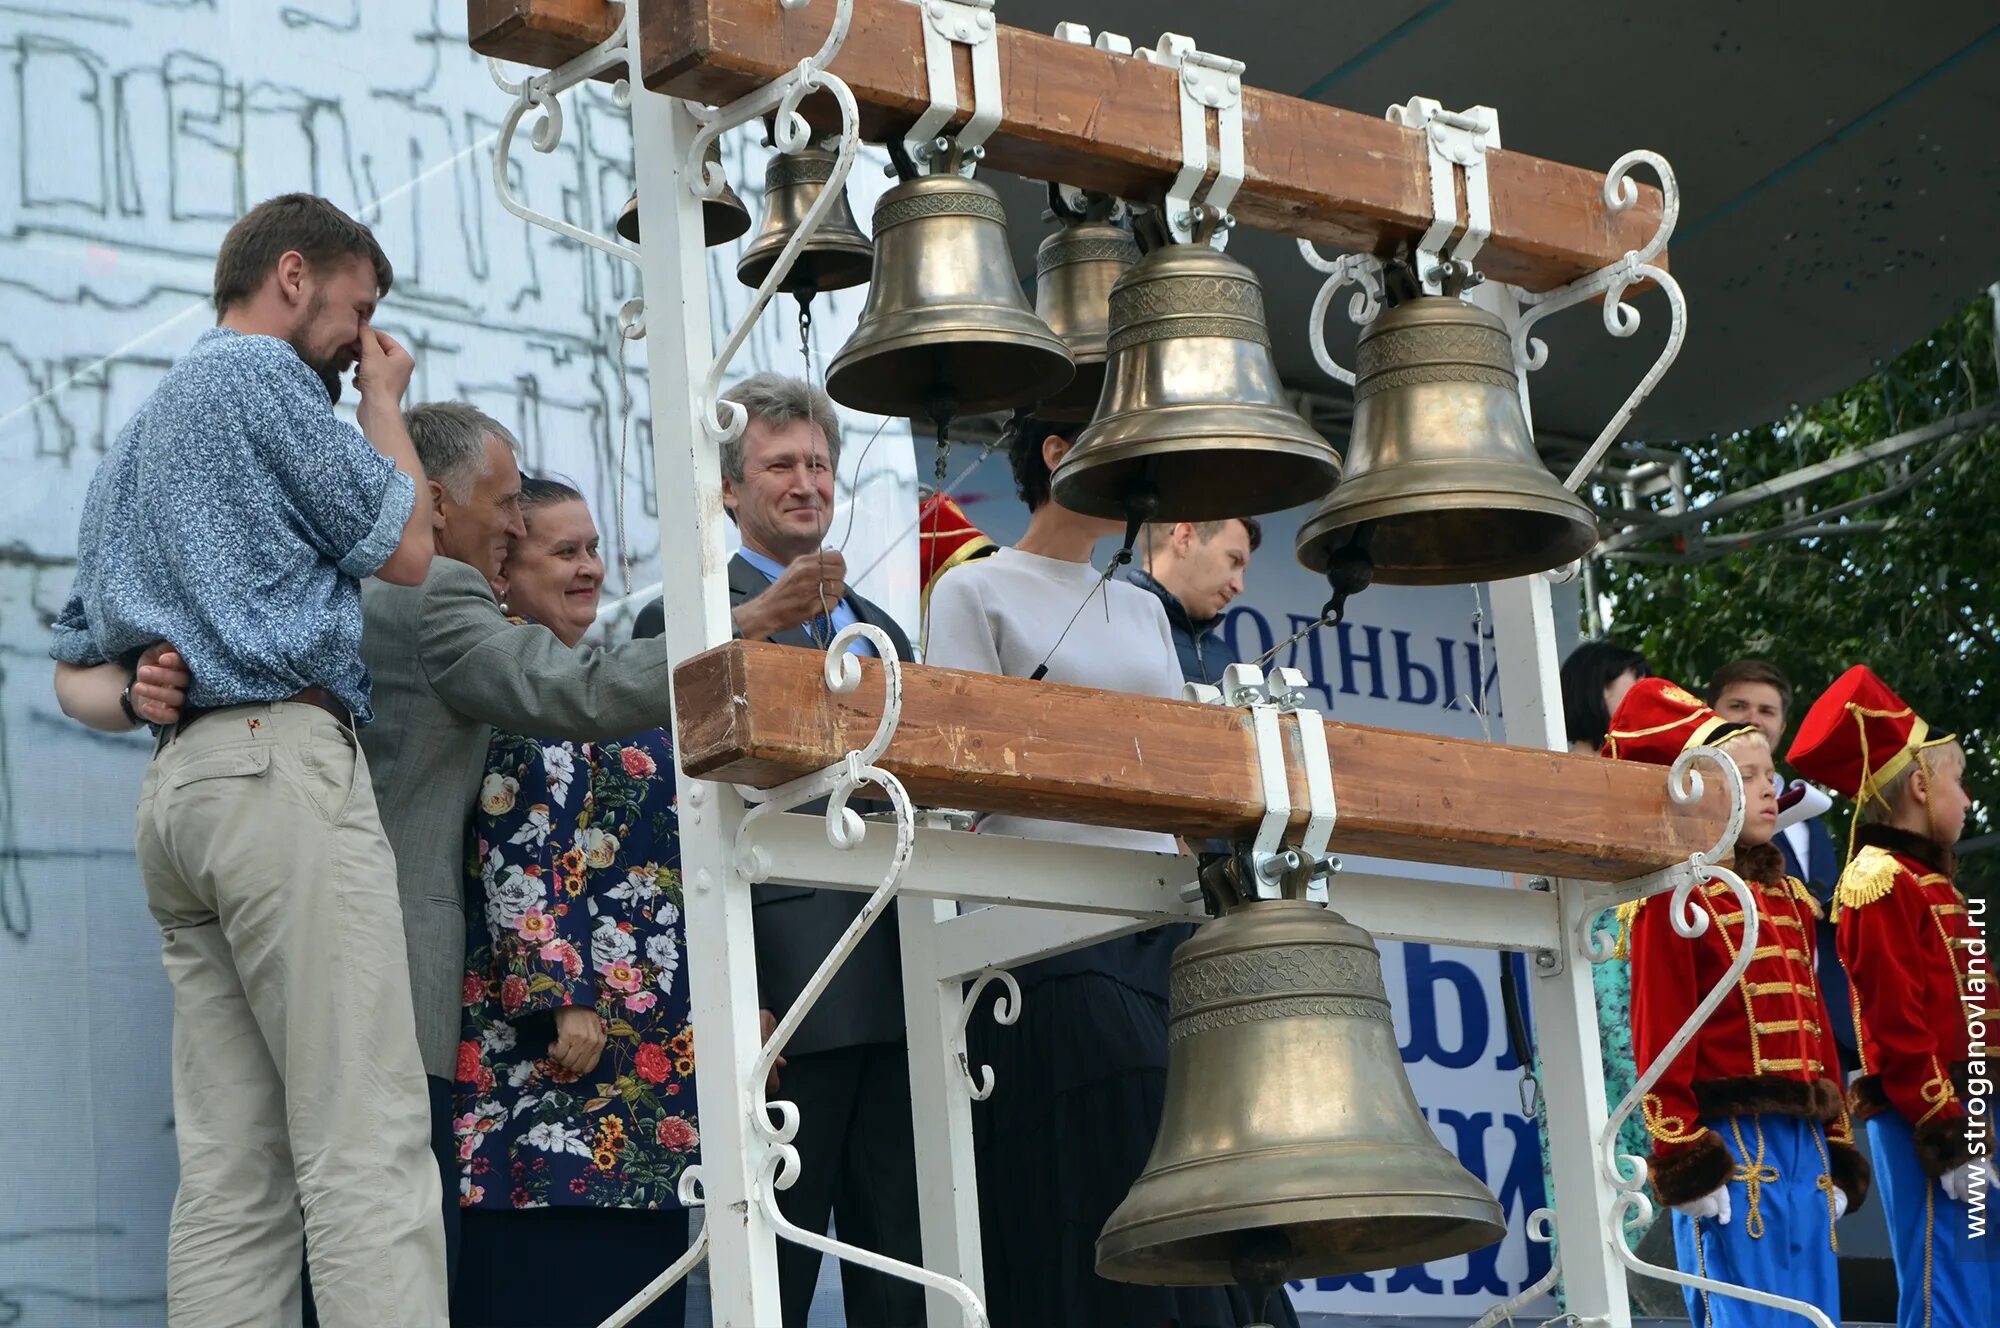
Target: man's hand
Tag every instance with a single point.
(1714, 1204)
(767, 1024)
(1839, 1203)
(160, 684)
(808, 587)
(579, 1039)
(383, 374)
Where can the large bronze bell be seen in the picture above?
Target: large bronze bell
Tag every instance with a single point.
(1074, 271)
(1442, 474)
(946, 331)
(835, 257)
(1192, 424)
(1291, 1145)
(722, 219)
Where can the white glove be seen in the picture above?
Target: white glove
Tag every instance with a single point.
(1839, 1203)
(1957, 1182)
(1714, 1204)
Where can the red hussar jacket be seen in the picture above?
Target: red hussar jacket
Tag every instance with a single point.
(1768, 1048)
(1903, 933)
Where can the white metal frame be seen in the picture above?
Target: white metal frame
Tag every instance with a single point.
(1028, 899)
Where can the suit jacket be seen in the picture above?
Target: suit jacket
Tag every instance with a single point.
(1821, 871)
(796, 925)
(448, 669)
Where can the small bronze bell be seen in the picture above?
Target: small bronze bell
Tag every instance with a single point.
(1193, 424)
(1074, 271)
(946, 331)
(835, 257)
(1291, 1145)
(1441, 471)
(722, 219)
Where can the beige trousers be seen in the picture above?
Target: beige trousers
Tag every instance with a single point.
(297, 1083)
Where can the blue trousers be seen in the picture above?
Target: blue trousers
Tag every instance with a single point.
(1945, 1276)
(1780, 1233)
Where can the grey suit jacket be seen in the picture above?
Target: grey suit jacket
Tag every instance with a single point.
(795, 925)
(448, 669)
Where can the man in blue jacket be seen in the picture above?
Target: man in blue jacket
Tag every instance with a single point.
(1196, 569)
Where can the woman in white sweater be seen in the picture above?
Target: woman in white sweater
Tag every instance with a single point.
(1081, 1077)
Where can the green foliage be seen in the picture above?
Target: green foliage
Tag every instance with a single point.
(1917, 598)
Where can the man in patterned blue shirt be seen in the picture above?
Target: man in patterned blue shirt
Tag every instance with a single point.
(230, 525)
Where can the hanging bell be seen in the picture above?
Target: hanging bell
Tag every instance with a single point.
(1074, 271)
(722, 219)
(1290, 1145)
(835, 257)
(1441, 470)
(946, 331)
(1192, 424)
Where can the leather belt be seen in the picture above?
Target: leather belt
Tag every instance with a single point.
(312, 696)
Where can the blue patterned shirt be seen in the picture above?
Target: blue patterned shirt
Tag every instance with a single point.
(235, 517)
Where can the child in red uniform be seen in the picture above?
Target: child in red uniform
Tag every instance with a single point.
(1910, 949)
(1752, 1147)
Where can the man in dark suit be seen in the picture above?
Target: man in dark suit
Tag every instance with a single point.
(1755, 692)
(846, 1066)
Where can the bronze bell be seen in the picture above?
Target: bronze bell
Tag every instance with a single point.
(946, 331)
(1074, 271)
(1192, 424)
(1291, 1145)
(835, 257)
(1442, 474)
(722, 219)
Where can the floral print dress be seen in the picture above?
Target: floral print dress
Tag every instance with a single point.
(574, 898)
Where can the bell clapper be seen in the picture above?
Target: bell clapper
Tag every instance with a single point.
(1349, 571)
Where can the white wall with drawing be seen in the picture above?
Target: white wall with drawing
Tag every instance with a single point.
(133, 132)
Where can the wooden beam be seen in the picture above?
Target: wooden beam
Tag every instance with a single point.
(760, 714)
(1347, 180)
(540, 32)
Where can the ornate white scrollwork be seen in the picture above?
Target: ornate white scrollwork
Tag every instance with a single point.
(1611, 282)
(1541, 1230)
(777, 1123)
(1363, 270)
(1005, 1011)
(543, 92)
(1684, 786)
(1631, 1208)
(724, 420)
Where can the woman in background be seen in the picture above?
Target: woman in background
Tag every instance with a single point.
(575, 1110)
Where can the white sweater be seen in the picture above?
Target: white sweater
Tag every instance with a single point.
(1001, 614)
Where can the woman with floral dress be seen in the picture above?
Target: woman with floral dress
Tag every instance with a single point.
(575, 1111)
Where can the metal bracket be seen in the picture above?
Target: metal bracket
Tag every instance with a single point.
(1207, 83)
(967, 23)
(1288, 690)
(1114, 43)
(1456, 140)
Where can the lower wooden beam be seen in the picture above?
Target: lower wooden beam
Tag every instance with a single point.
(760, 714)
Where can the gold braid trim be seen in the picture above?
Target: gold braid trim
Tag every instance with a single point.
(1867, 879)
(1628, 917)
(1804, 896)
(1664, 1128)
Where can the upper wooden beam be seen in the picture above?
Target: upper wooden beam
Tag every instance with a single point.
(1350, 181)
(760, 714)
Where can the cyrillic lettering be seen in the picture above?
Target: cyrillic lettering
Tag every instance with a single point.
(1405, 666)
(1421, 974)
(1233, 630)
(1373, 658)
